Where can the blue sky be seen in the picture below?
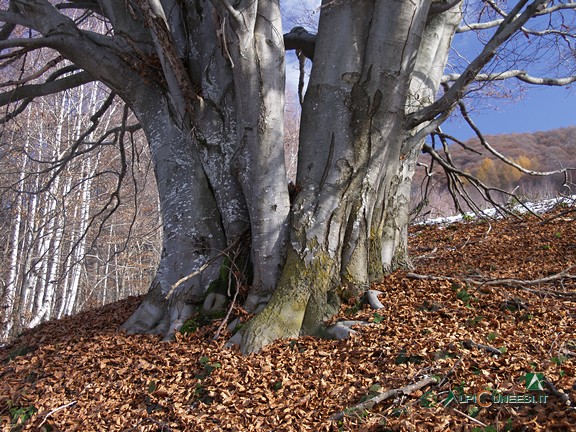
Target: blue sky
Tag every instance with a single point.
(539, 108)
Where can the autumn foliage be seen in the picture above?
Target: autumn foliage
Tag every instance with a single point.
(540, 151)
(80, 374)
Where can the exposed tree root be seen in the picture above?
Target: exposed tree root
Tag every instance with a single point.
(343, 329)
(372, 297)
(368, 404)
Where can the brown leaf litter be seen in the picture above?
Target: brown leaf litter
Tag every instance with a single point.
(80, 374)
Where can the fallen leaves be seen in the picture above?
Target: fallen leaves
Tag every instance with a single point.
(80, 374)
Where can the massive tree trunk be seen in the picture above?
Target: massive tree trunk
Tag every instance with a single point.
(206, 81)
(192, 227)
(235, 142)
(356, 161)
(256, 53)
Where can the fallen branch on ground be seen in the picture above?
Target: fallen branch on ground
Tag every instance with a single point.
(449, 374)
(472, 419)
(368, 404)
(469, 344)
(567, 352)
(559, 215)
(560, 395)
(510, 282)
(55, 410)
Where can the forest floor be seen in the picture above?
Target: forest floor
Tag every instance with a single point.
(493, 337)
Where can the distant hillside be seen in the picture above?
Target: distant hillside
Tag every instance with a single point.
(539, 151)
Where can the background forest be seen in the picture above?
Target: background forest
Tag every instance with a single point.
(540, 151)
(74, 233)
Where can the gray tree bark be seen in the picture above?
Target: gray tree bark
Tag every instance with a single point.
(206, 81)
(356, 160)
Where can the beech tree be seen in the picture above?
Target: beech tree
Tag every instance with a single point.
(206, 80)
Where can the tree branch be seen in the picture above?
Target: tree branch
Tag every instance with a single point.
(457, 188)
(47, 88)
(507, 28)
(225, 8)
(499, 155)
(409, 389)
(31, 43)
(518, 74)
(54, 411)
(90, 5)
(300, 39)
(436, 8)
(34, 75)
(10, 17)
(469, 344)
(510, 282)
(176, 75)
(494, 23)
(560, 395)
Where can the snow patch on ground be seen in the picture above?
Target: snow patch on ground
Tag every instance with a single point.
(535, 207)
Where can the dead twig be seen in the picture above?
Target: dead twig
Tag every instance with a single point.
(469, 344)
(203, 267)
(567, 352)
(227, 317)
(368, 404)
(55, 410)
(510, 282)
(560, 395)
(450, 372)
(469, 418)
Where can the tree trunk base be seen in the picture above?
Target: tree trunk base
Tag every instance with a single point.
(157, 315)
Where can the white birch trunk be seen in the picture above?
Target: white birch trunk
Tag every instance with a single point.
(9, 308)
(52, 236)
(30, 279)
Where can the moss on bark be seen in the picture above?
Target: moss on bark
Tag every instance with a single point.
(295, 306)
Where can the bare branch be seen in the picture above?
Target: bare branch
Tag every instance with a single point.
(518, 74)
(47, 88)
(469, 344)
(559, 394)
(31, 43)
(90, 5)
(457, 189)
(499, 155)
(54, 411)
(34, 75)
(494, 23)
(507, 28)
(368, 404)
(203, 267)
(13, 18)
(510, 282)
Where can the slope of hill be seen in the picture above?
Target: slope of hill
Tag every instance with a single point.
(548, 150)
(539, 151)
(489, 326)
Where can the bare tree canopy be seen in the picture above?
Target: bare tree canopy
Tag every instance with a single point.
(206, 82)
